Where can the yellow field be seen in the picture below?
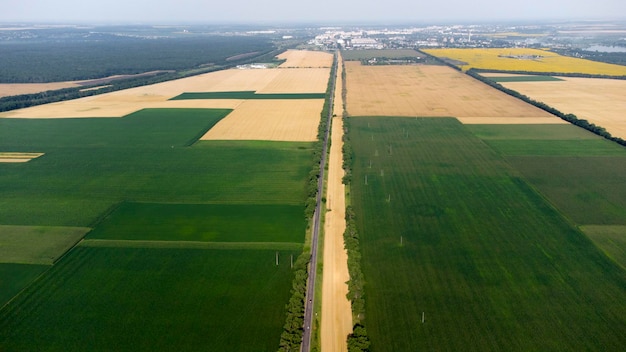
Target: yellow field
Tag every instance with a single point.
(432, 91)
(11, 157)
(303, 58)
(8, 89)
(275, 120)
(302, 80)
(600, 101)
(521, 59)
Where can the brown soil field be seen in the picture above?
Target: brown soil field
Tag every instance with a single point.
(336, 321)
(305, 58)
(275, 120)
(13, 157)
(432, 91)
(600, 101)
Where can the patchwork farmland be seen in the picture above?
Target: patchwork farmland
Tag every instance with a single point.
(204, 229)
(486, 231)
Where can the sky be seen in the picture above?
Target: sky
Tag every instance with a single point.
(292, 11)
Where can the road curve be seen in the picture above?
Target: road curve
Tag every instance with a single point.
(310, 290)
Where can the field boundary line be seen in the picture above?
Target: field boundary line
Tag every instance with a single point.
(190, 244)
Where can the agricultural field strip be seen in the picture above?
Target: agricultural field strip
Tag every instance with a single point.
(37, 244)
(121, 103)
(303, 59)
(523, 59)
(471, 258)
(18, 157)
(600, 101)
(190, 244)
(433, 91)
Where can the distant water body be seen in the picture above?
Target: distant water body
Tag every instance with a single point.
(607, 49)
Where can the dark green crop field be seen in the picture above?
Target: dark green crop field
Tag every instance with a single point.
(460, 253)
(129, 299)
(203, 222)
(147, 160)
(248, 95)
(14, 277)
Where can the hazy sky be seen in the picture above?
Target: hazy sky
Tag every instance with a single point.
(285, 11)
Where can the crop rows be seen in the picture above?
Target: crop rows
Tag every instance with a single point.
(460, 253)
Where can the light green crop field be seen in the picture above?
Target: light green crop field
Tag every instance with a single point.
(460, 253)
(611, 239)
(351, 55)
(138, 299)
(37, 244)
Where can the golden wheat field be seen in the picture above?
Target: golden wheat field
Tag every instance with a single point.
(304, 59)
(422, 90)
(600, 101)
(522, 59)
(275, 120)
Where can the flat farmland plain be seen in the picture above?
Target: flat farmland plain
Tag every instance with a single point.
(524, 59)
(424, 90)
(599, 101)
(460, 253)
(276, 120)
(303, 59)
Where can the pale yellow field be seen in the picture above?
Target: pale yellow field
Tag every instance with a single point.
(276, 120)
(8, 89)
(301, 80)
(600, 101)
(524, 60)
(304, 58)
(432, 91)
(13, 157)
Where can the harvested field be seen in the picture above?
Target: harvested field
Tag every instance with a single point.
(431, 91)
(600, 101)
(9, 89)
(304, 58)
(275, 120)
(303, 80)
(18, 157)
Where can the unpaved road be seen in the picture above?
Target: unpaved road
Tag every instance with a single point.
(336, 321)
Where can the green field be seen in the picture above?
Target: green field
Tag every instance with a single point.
(584, 177)
(127, 299)
(203, 222)
(14, 277)
(248, 95)
(611, 239)
(143, 157)
(451, 232)
(526, 78)
(37, 244)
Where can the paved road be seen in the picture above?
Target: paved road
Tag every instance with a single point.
(310, 290)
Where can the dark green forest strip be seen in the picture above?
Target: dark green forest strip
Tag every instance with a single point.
(153, 299)
(282, 246)
(248, 95)
(451, 233)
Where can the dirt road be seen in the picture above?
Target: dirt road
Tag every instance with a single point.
(336, 311)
